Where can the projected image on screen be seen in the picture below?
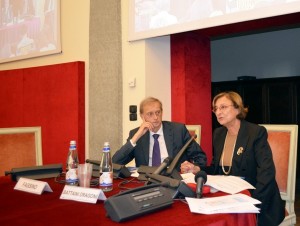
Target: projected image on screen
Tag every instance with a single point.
(150, 18)
(28, 28)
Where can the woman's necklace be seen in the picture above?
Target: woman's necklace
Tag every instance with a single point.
(223, 153)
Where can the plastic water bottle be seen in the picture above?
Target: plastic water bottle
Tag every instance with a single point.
(106, 169)
(72, 165)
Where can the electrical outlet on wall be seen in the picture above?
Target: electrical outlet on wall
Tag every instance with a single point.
(131, 82)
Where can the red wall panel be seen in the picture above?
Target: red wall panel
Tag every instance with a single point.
(191, 84)
(51, 97)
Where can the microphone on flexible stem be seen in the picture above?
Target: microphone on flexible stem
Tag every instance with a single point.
(200, 179)
(155, 177)
(163, 165)
(179, 154)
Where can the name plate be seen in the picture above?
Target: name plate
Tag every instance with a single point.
(32, 186)
(82, 194)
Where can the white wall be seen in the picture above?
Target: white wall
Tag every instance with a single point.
(264, 55)
(148, 61)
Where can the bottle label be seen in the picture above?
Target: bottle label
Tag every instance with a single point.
(106, 149)
(71, 176)
(106, 179)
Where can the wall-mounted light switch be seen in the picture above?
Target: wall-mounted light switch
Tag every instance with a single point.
(131, 82)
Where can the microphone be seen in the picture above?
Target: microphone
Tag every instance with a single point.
(155, 177)
(118, 170)
(163, 165)
(178, 156)
(177, 187)
(200, 179)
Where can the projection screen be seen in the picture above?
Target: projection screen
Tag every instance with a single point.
(152, 18)
(29, 28)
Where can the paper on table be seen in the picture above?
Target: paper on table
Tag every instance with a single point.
(188, 178)
(228, 184)
(134, 173)
(245, 208)
(237, 203)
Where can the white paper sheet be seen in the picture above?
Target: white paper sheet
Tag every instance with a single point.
(237, 203)
(228, 184)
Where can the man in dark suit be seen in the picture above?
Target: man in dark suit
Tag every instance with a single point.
(171, 138)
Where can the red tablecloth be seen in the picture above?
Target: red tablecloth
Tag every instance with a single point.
(21, 208)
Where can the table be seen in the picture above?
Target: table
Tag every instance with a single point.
(21, 208)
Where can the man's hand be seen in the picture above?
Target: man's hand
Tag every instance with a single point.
(188, 167)
(145, 126)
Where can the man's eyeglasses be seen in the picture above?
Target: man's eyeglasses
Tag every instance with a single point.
(151, 114)
(221, 108)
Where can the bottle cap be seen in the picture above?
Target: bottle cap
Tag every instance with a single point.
(73, 142)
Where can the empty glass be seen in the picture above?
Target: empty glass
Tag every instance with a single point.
(85, 174)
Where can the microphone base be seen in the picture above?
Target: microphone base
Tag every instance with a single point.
(36, 172)
(183, 191)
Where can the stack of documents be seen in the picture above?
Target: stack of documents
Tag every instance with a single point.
(237, 203)
(228, 184)
(233, 203)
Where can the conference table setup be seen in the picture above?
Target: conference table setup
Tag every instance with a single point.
(48, 208)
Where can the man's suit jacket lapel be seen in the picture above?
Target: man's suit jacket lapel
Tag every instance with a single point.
(169, 137)
(145, 144)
